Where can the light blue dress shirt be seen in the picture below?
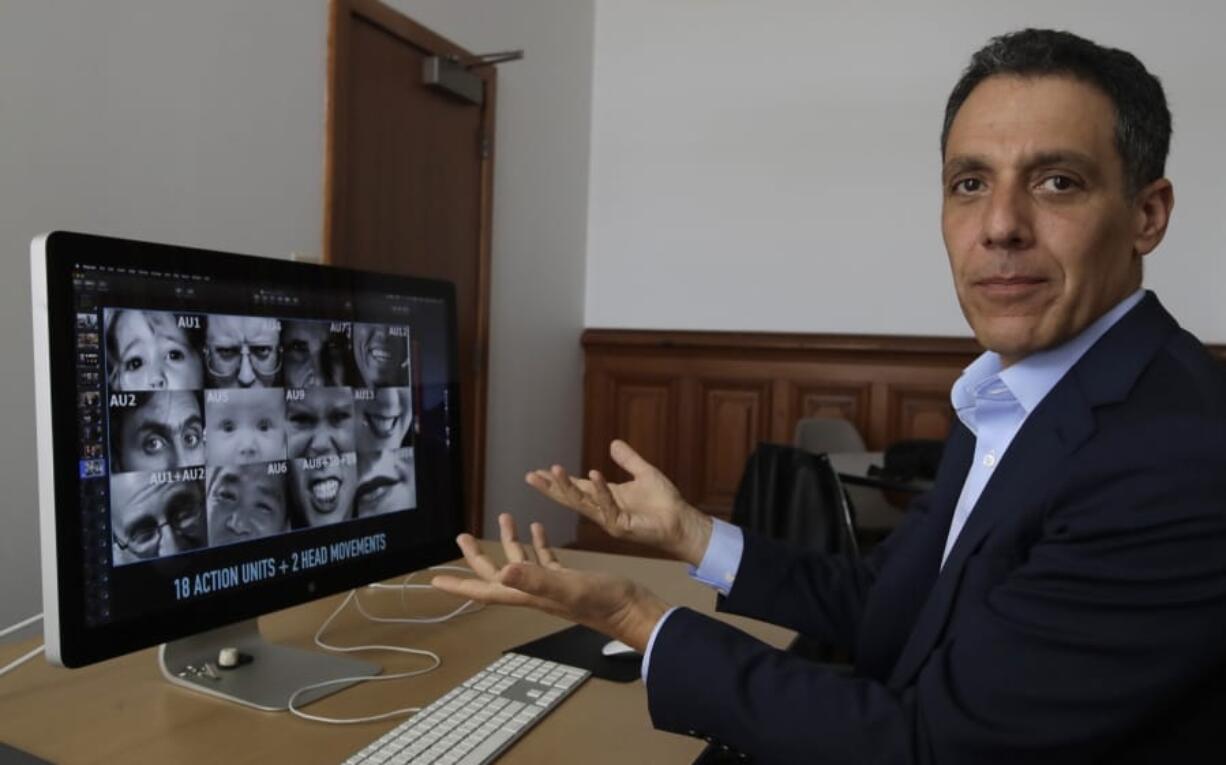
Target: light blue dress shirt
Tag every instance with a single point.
(992, 401)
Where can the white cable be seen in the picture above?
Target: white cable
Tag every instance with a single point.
(12, 665)
(405, 585)
(10, 630)
(21, 660)
(352, 596)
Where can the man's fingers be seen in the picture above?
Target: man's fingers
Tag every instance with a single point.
(628, 458)
(543, 550)
(481, 565)
(484, 592)
(604, 499)
(510, 545)
(545, 583)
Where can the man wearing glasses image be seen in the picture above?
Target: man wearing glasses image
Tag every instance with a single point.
(243, 352)
(152, 519)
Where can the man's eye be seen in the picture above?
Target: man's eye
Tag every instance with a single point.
(153, 444)
(226, 352)
(261, 352)
(298, 348)
(134, 363)
(191, 438)
(1058, 183)
(967, 186)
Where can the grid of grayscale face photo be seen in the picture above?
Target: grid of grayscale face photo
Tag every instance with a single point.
(224, 429)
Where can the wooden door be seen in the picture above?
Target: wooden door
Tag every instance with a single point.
(408, 182)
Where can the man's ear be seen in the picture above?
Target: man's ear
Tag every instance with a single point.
(1152, 210)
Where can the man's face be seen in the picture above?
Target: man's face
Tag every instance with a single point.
(166, 432)
(1041, 236)
(243, 351)
(244, 503)
(153, 520)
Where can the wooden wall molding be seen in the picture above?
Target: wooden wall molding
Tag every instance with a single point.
(696, 403)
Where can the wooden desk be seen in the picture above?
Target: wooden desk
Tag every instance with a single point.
(122, 711)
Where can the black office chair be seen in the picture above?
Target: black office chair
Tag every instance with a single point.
(793, 495)
(796, 496)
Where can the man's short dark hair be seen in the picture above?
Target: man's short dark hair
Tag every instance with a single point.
(1142, 120)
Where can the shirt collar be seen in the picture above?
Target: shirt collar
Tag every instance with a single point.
(1032, 378)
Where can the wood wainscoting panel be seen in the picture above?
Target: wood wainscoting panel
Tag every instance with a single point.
(735, 418)
(696, 404)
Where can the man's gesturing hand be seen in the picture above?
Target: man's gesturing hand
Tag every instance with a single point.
(610, 604)
(647, 509)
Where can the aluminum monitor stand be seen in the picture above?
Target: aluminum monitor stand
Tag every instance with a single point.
(266, 681)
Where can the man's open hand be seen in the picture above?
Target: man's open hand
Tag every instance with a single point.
(533, 577)
(647, 509)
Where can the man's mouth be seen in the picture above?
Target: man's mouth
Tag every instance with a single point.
(1009, 286)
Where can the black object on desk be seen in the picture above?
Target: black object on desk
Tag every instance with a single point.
(580, 647)
(12, 756)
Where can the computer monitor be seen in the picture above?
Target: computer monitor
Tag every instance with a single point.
(220, 436)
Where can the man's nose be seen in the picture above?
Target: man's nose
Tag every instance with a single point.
(246, 373)
(1006, 219)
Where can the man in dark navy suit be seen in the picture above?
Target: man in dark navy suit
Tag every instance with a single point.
(1060, 595)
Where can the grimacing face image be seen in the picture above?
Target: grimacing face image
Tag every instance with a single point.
(149, 350)
(314, 355)
(319, 421)
(323, 487)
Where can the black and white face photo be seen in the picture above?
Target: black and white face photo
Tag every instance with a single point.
(245, 426)
(381, 355)
(152, 350)
(386, 482)
(156, 431)
(314, 353)
(153, 517)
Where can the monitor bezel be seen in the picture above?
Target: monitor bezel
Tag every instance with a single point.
(69, 640)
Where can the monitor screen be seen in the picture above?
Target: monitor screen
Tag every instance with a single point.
(221, 436)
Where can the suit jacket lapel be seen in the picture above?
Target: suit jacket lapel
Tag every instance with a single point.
(1054, 430)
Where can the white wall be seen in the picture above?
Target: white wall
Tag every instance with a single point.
(774, 165)
(202, 123)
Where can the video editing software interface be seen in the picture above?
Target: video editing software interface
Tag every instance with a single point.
(235, 434)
